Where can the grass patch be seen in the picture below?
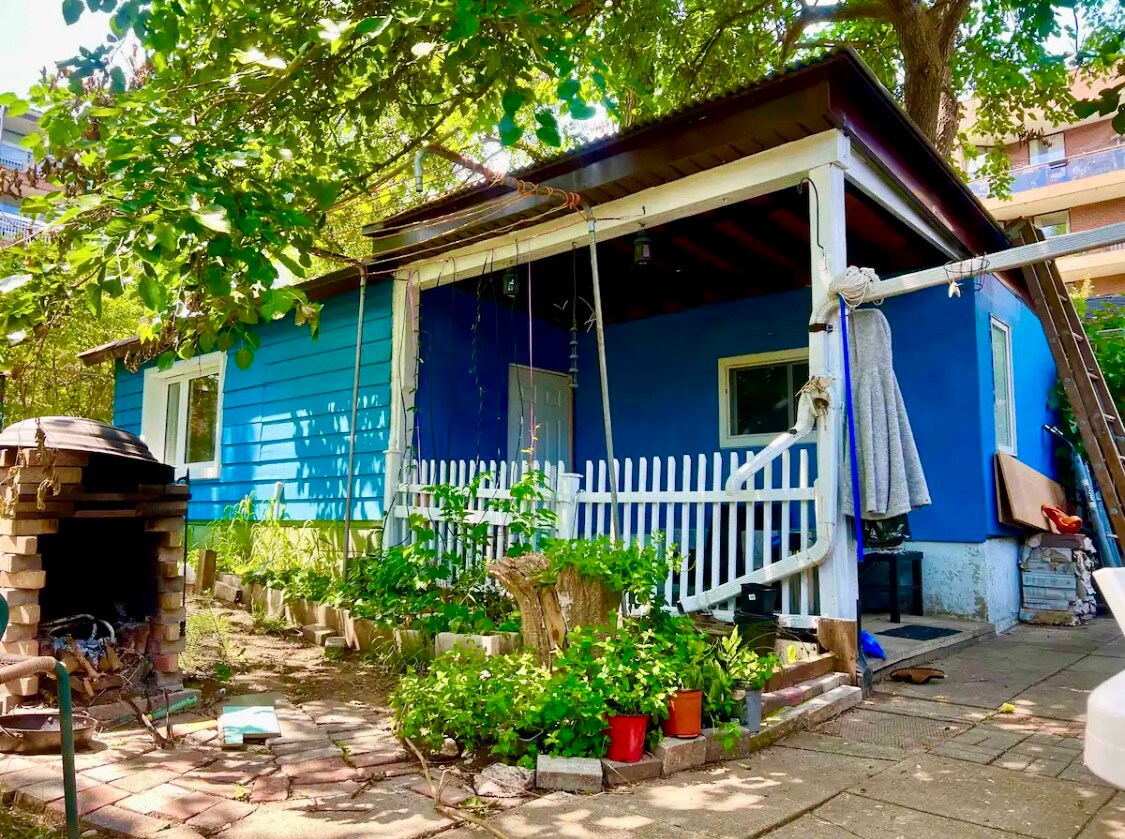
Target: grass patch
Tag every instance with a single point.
(209, 653)
(17, 825)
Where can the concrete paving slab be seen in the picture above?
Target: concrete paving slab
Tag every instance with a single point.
(738, 799)
(1053, 701)
(850, 816)
(890, 703)
(397, 815)
(1109, 823)
(816, 742)
(898, 730)
(1114, 648)
(1082, 639)
(986, 795)
(1106, 665)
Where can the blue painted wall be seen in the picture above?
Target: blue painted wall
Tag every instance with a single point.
(664, 373)
(936, 358)
(287, 417)
(466, 346)
(1034, 377)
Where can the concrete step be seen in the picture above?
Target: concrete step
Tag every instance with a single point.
(801, 692)
(832, 704)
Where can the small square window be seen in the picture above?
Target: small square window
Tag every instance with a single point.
(758, 396)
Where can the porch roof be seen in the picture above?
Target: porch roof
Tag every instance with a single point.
(838, 91)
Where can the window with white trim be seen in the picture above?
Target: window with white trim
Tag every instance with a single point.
(182, 414)
(1004, 402)
(1049, 149)
(758, 395)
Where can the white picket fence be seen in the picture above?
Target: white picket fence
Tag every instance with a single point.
(720, 537)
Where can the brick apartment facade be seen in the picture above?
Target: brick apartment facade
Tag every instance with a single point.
(1070, 178)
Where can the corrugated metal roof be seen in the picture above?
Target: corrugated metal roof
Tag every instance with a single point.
(78, 435)
(529, 171)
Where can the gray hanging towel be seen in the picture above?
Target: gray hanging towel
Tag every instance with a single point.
(890, 473)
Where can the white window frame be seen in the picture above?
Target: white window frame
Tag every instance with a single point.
(727, 440)
(154, 408)
(996, 323)
(1051, 149)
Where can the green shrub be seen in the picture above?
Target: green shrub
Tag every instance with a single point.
(478, 702)
(637, 570)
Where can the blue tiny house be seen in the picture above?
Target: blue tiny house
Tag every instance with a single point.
(719, 230)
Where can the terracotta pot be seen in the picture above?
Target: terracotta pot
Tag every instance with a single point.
(626, 737)
(685, 714)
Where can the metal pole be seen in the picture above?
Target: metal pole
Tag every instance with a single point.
(66, 726)
(599, 328)
(351, 429)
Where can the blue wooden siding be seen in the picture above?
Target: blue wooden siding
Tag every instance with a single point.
(287, 417)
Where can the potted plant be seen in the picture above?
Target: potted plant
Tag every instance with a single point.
(690, 653)
(633, 678)
(748, 673)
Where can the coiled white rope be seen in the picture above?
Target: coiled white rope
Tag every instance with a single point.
(854, 286)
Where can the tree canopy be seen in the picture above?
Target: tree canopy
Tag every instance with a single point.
(212, 152)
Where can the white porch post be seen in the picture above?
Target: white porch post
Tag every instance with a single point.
(405, 302)
(839, 579)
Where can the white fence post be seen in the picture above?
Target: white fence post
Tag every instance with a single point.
(569, 484)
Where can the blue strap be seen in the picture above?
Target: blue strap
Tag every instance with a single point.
(844, 315)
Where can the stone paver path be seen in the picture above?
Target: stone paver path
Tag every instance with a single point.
(933, 761)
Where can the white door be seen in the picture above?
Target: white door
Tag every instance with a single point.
(543, 397)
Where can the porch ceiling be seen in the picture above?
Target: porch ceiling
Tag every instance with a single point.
(748, 249)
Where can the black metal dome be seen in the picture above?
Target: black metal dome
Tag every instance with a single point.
(78, 435)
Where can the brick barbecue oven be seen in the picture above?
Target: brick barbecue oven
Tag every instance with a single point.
(91, 558)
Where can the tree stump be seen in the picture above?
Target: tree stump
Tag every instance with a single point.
(548, 612)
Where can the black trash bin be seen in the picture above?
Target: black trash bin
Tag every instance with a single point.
(754, 616)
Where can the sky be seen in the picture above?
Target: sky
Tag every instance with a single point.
(33, 34)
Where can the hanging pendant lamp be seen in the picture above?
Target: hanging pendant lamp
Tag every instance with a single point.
(642, 250)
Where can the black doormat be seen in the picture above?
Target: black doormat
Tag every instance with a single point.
(918, 632)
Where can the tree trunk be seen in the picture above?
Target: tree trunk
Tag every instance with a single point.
(549, 612)
(927, 37)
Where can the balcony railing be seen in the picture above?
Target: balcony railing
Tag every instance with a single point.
(1073, 168)
(13, 226)
(15, 157)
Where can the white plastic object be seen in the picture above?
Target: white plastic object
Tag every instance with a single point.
(1105, 709)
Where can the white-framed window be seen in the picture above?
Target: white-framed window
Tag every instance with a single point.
(1048, 149)
(1004, 401)
(1053, 224)
(758, 395)
(182, 414)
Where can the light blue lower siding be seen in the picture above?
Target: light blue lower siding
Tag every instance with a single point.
(287, 417)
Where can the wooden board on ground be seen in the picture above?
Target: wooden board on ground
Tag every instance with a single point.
(1021, 493)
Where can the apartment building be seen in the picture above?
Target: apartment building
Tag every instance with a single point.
(16, 158)
(1069, 177)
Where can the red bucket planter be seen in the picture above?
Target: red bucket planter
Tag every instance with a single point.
(685, 714)
(626, 737)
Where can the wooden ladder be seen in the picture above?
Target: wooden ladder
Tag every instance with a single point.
(1097, 416)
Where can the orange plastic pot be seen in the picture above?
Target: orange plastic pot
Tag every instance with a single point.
(626, 737)
(685, 714)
